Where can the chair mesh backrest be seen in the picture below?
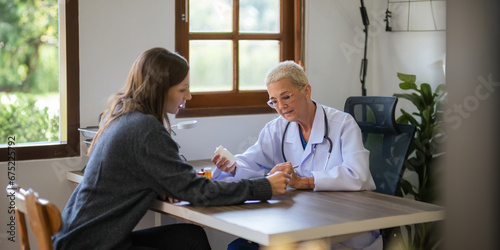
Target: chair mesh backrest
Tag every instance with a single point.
(387, 141)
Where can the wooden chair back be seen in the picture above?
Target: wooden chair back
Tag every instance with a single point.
(43, 216)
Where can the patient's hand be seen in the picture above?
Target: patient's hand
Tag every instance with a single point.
(172, 200)
(278, 181)
(283, 167)
(169, 199)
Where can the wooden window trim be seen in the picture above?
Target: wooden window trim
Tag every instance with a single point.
(71, 147)
(238, 102)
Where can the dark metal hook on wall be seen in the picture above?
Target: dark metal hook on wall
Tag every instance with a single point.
(388, 15)
(364, 61)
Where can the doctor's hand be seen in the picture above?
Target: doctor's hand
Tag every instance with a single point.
(285, 167)
(301, 182)
(222, 163)
(295, 181)
(279, 181)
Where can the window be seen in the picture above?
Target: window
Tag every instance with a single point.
(230, 46)
(37, 19)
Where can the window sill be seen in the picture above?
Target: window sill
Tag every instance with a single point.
(38, 152)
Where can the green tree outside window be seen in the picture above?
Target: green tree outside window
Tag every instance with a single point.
(29, 70)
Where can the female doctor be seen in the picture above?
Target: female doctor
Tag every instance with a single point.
(323, 142)
(319, 146)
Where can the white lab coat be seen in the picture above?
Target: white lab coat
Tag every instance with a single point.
(347, 168)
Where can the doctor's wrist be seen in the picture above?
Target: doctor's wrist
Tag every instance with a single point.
(310, 182)
(305, 183)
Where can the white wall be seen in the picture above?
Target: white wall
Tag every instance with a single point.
(114, 32)
(335, 46)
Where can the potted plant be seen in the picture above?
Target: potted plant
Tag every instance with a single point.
(424, 149)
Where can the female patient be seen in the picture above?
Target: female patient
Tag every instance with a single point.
(133, 160)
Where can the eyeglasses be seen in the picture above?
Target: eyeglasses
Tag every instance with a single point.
(285, 99)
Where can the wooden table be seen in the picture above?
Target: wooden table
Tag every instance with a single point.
(303, 215)
(77, 176)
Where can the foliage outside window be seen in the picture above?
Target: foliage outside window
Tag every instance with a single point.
(230, 45)
(33, 100)
(29, 75)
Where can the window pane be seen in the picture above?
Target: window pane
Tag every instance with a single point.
(255, 59)
(210, 16)
(259, 16)
(211, 65)
(29, 71)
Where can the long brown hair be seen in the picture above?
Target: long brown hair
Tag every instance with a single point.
(153, 73)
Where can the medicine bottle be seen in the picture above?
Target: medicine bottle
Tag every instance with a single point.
(208, 173)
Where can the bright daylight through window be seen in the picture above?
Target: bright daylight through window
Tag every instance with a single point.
(36, 97)
(211, 59)
(29, 71)
(230, 46)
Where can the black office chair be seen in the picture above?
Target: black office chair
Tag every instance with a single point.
(388, 142)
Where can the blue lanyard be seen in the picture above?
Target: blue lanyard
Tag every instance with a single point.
(304, 143)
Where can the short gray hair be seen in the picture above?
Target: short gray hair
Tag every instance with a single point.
(289, 70)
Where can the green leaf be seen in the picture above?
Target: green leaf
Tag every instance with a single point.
(410, 118)
(414, 98)
(440, 89)
(440, 92)
(402, 119)
(426, 92)
(416, 162)
(407, 77)
(408, 85)
(426, 117)
(406, 186)
(409, 166)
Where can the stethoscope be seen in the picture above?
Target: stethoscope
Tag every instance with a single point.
(325, 136)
